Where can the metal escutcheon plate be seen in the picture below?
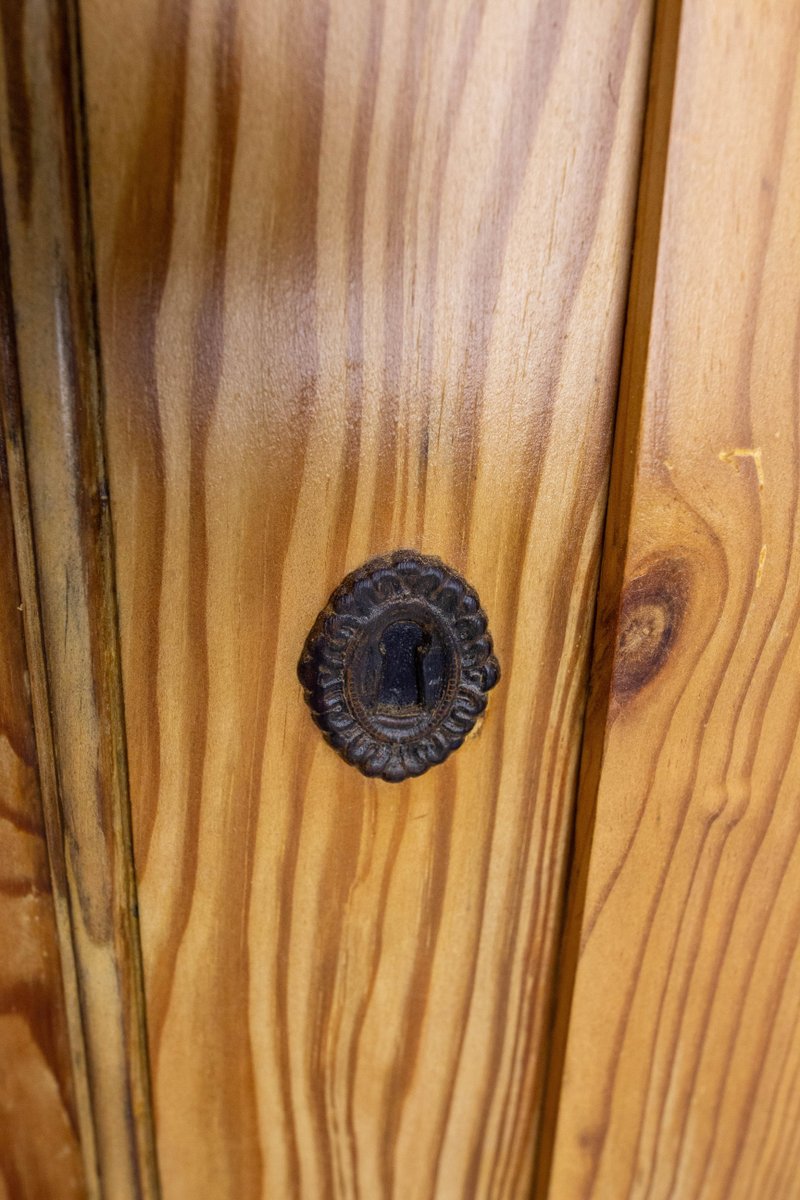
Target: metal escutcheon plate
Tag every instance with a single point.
(398, 664)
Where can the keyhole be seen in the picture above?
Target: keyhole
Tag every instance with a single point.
(402, 683)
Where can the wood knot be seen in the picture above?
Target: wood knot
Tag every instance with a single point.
(652, 611)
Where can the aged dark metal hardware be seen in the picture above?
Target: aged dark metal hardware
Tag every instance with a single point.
(398, 664)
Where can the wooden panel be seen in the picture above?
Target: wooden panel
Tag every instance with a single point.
(682, 1059)
(52, 429)
(361, 275)
(40, 1156)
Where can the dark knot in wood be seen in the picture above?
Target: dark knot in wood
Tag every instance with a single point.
(653, 608)
(398, 664)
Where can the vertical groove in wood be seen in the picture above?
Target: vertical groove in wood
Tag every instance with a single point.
(43, 1128)
(682, 1050)
(59, 425)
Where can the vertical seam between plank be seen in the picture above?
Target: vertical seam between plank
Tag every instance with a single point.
(653, 159)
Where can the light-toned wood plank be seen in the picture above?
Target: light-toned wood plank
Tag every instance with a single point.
(53, 435)
(40, 1155)
(361, 274)
(681, 1066)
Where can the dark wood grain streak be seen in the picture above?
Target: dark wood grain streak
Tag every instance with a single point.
(143, 238)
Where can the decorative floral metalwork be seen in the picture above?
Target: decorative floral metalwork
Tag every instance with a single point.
(398, 664)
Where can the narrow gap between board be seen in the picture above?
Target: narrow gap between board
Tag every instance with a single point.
(641, 290)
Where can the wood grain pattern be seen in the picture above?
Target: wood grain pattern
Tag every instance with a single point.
(361, 276)
(681, 1065)
(40, 1157)
(60, 508)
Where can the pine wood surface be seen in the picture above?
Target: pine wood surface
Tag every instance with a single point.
(361, 281)
(62, 529)
(682, 1058)
(40, 1156)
